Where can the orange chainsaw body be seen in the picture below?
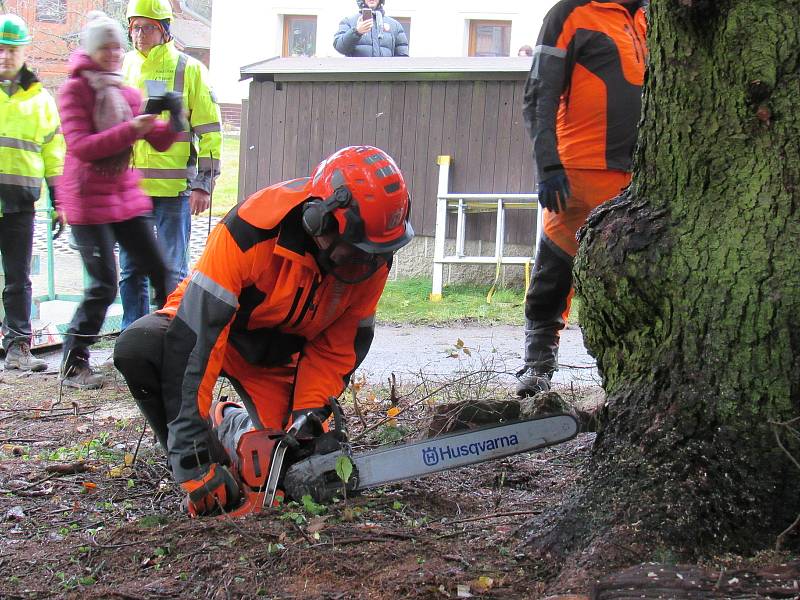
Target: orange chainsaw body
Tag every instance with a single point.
(254, 453)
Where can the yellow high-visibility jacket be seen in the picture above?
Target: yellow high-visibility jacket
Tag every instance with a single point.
(193, 161)
(31, 145)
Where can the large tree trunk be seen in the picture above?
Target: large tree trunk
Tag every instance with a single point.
(690, 286)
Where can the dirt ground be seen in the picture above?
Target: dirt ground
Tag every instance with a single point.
(114, 529)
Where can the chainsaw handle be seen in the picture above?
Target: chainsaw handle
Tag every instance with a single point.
(338, 418)
(297, 424)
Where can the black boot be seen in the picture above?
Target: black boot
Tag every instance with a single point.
(533, 381)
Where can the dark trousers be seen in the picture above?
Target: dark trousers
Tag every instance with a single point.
(139, 355)
(16, 248)
(546, 302)
(96, 247)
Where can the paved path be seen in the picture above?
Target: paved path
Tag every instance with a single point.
(434, 351)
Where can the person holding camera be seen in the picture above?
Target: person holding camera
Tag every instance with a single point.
(31, 150)
(180, 180)
(371, 33)
(99, 191)
(282, 303)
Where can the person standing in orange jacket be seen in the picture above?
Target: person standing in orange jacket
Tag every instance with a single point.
(282, 303)
(582, 106)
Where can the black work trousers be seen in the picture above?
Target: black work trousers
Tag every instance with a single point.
(96, 247)
(16, 249)
(139, 355)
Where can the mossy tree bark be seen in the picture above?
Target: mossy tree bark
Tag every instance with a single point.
(690, 283)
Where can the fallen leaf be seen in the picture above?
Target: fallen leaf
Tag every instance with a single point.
(128, 459)
(462, 591)
(482, 584)
(316, 524)
(89, 485)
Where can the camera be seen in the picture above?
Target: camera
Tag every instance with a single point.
(160, 100)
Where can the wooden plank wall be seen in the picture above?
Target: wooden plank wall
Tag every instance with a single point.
(292, 126)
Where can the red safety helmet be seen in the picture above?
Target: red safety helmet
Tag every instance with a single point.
(361, 191)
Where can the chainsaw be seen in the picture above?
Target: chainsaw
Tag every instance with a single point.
(266, 475)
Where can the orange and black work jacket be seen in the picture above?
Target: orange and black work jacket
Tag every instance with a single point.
(583, 94)
(257, 288)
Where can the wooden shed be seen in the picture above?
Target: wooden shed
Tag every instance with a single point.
(302, 109)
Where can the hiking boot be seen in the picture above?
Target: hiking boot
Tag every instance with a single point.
(533, 381)
(78, 374)
(18, 356)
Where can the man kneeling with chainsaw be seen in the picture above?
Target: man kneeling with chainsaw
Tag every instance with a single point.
(282, 304)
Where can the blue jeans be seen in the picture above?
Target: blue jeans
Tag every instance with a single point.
(173, 224)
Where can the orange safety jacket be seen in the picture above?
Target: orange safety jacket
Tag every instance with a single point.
(583, 94)
(258, 289)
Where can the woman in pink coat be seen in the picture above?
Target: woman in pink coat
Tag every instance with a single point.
(99, 193)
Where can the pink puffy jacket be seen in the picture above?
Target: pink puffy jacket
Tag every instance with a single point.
(87, 195)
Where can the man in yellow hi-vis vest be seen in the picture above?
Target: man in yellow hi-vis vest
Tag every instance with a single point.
(31, 149)
(179, 180)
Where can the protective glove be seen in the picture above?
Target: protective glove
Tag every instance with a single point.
(56, 220)
(553, 193)
(311, 427)
(212, 492)
(301, 441)
(56, 223)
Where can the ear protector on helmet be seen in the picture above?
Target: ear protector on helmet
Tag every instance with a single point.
(318, 216)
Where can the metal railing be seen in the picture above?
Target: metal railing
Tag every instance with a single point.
(464, 204)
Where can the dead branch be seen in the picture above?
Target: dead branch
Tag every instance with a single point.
(495, 516)
(68, 469)
(416, 403)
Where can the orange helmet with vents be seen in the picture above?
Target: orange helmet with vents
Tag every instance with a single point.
(361, 192)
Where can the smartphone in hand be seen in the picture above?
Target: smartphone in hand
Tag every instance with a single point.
(366, 14)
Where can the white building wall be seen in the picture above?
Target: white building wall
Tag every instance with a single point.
(249, 31)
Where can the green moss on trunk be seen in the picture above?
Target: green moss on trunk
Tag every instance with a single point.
(690, 284)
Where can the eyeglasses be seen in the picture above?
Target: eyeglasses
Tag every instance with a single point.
(145, 29)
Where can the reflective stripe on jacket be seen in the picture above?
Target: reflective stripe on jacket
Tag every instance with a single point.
(583, 95)
(193, 161)
(31, 144)
(257, 289)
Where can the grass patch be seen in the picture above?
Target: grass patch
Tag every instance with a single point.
(406, 301)
(227, 188)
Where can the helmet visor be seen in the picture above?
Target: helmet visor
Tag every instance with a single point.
(350, 264)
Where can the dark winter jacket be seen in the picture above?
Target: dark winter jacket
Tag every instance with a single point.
(388, 40)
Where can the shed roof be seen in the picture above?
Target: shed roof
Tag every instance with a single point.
(304, 68)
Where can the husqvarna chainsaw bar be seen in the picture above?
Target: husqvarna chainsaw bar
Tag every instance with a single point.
(317, 475)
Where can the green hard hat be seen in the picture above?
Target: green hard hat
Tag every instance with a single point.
(158, 10)
(13, 31)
